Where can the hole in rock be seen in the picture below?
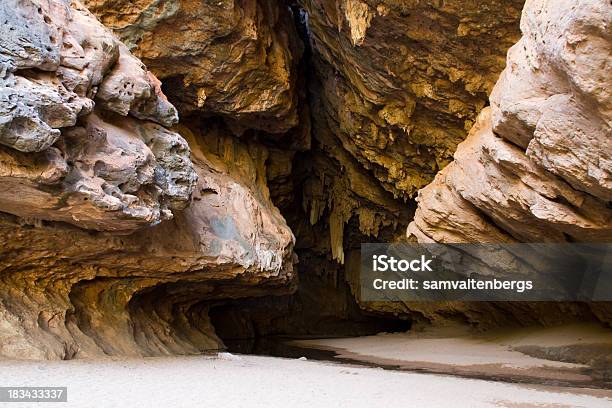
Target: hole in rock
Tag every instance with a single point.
(266, 326)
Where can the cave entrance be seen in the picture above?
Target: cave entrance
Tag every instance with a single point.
(268, 325)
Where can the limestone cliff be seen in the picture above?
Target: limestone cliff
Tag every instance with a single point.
(536, 165)
(402, 82)
(63, 160)
(114, 234)
(392, 86)
(127, 233)
(234, 58)
(398, 84)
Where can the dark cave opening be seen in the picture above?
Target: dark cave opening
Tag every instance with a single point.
(267, 325)
(322, 307)
(324, 304)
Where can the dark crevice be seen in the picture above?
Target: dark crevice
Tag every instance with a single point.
(324, 304)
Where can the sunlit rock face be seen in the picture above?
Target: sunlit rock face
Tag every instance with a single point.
(64, 160)
(402, 81)
(69, 292)
(536, 165)
(235, 58)
(115, 231)
(393, 86)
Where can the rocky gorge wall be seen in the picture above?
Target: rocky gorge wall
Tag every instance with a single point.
(114, 229)
(305, 129)
(536, 166)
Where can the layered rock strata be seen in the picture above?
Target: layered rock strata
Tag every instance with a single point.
(318, 188)
(396, 86)
(536, 165)
(121, 229)
(401, 82)
(115, 232)
(234, 58)
(393, 87)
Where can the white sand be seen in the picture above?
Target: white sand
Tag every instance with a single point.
(251, 381)
(458, 346)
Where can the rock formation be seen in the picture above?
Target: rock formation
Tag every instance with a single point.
(536, 165)
(398, 84)
(63, 161)
(386, 122)
(237, 59)
(127, 233)
(403, 81)
(100, 253)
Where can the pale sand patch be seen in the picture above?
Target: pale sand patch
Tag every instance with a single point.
(252, 381)
(461, 347)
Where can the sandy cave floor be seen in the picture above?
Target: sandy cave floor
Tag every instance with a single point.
(255, 381)
(578, 355)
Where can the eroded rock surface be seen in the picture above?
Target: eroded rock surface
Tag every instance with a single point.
(536, 165)
(395, 87)
(121, 229)
(401, 82)
(62, 161)
(235, 58)
(115, 232)
(67, 292)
